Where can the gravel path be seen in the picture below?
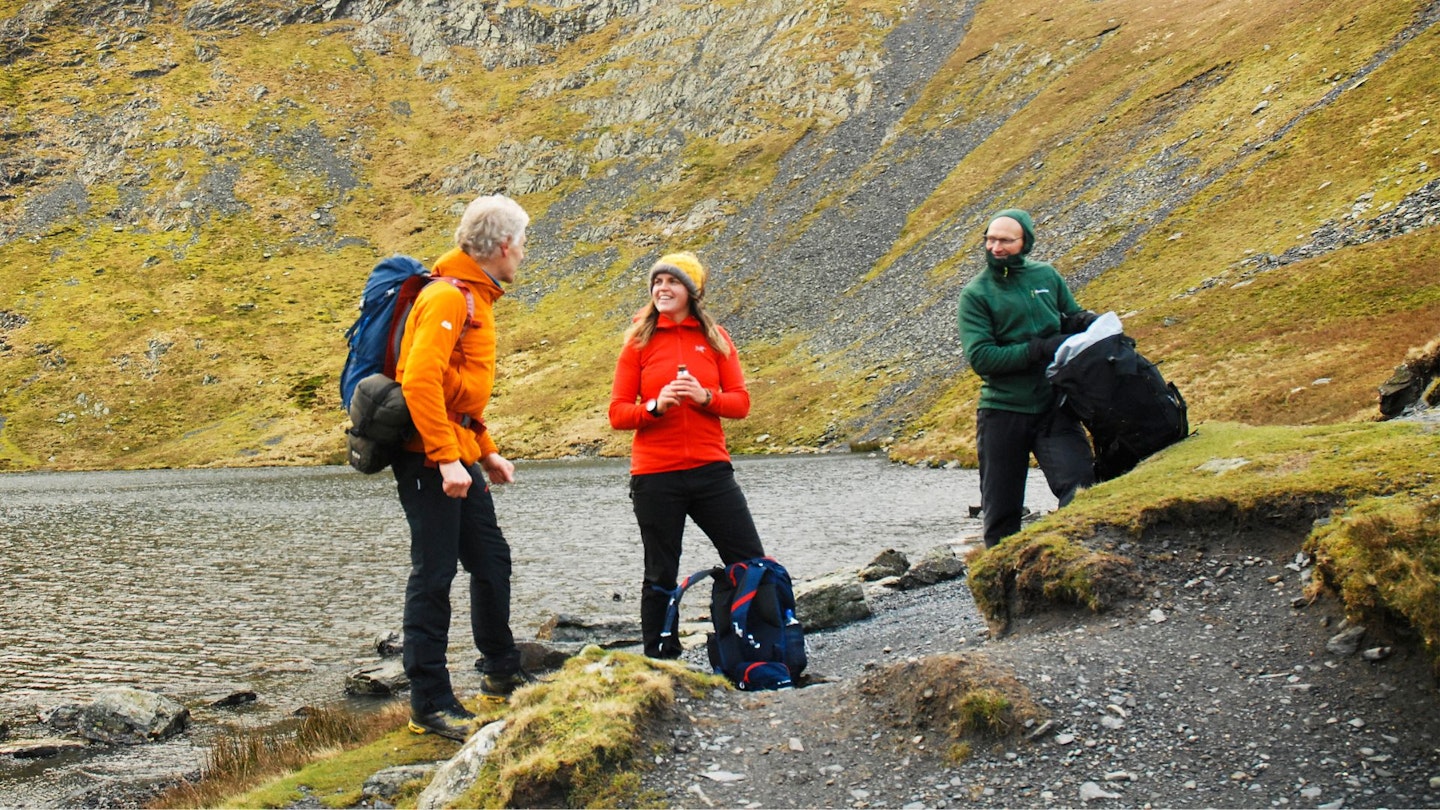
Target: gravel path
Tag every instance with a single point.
(1215, 689)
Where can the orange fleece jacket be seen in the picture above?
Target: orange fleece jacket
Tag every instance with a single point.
(687, 435)
(443, 381)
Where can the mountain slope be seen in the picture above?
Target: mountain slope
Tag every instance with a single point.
(191, 193)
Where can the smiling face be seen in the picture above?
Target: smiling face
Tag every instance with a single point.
(671, 298)
(1005, 237)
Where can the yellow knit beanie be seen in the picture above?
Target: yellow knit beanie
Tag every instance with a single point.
(685, 266)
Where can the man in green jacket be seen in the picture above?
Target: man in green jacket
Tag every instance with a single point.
(1013, 316)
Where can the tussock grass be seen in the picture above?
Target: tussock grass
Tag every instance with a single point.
(239, 759)
(576, 740)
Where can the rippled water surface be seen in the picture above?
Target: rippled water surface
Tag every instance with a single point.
(194, 582)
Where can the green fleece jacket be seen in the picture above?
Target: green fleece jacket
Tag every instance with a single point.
(1001, 309)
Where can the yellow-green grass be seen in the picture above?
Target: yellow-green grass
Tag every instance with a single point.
(1110, 88)
(575, 740)
(240, 759)
(1382, 556)
(1108, 80)
(1235, 474)
(175, 278)
(1306, 343)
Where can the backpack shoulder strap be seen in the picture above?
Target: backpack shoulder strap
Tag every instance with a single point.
(672, 610)
(469, 299)
(404, 300)
(745, 589)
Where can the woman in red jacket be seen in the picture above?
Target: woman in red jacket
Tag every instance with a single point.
(677, 375)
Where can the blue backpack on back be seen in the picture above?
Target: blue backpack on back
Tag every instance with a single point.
(374, 339)
(369, 338)
(757, 643)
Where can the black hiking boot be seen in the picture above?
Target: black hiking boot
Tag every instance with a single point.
(497, 688)
(455, 723)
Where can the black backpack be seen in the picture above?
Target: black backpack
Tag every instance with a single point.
(1125, 403)
(757, 643)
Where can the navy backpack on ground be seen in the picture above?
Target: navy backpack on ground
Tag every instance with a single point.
(1125, 403)
(757, 643)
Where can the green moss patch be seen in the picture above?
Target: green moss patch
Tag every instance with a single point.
(1226, 473)
(1382, 557)
(965, 698)
(570, 742)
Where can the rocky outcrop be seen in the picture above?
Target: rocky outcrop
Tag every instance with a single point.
(385, 785)
(458, 773)
(1415, 385)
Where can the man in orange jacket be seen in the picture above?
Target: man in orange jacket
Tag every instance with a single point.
(447, 371)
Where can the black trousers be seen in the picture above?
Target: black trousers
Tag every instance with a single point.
(445, 533)
(710, 496)
(1005, 440)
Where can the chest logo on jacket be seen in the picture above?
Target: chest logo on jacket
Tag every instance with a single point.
(700, 348)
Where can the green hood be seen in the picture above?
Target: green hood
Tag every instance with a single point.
(1015, 261)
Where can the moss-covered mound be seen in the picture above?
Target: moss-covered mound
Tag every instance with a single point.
(1370, 489)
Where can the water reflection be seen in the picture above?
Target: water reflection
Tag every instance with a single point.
(192, 582)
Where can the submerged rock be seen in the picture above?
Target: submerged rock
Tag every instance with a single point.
(566, 629)
(41, 748)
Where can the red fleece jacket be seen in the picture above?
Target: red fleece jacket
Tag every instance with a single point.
(687, 435)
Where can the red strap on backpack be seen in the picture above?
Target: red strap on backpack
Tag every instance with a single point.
(405, 301)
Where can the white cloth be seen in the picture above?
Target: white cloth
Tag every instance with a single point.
(1104, 326)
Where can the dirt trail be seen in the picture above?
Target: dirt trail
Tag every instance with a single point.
(1214, 689)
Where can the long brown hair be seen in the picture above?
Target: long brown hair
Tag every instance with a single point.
(645, 320)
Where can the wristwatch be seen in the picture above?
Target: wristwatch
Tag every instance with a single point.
(653, 408)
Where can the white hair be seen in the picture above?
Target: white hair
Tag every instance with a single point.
(488, 223)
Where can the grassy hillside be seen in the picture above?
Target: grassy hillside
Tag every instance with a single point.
(188, 205)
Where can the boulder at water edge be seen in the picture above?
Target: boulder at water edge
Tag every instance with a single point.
(563, 628)
(127, 716)
(889, 563)
(380, 678)
(936, 565)
(831, 601)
